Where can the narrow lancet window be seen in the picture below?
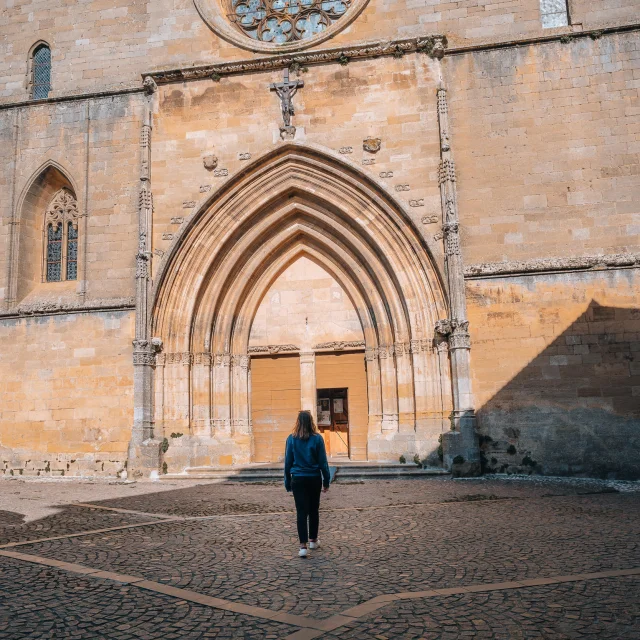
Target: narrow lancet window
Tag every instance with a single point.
(72, 251)
(54, 252)
(41, 73)
(61, 237)
(554, 13)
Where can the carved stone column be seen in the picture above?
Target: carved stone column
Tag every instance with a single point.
(406, 388)
(461, 443)
(389, 383)
(374, 391)
(240, 395)
(308, 382)
(144, 450)
(222, 394)
(201, 385)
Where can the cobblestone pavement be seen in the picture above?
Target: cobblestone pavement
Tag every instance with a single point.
(67, 607)
(446, 534)
(593, 610)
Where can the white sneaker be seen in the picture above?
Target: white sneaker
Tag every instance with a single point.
(314, 545)
(303, 553)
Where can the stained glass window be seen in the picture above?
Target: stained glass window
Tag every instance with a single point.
(282, 21)
(72, 252)
(54, 252)
(61, 237)
(41, 73)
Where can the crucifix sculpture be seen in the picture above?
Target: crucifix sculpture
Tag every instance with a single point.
(285, 90)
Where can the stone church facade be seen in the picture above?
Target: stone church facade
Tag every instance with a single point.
(418, 220)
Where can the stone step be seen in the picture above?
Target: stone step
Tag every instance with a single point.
(342, 469)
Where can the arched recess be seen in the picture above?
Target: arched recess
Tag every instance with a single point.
(298, 201)
(26, 247)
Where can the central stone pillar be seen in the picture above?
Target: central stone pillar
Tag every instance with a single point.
(308, 382)
(460, 445)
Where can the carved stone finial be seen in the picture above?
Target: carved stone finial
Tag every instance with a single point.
(372, 145)
(210, 162)
(149, 85)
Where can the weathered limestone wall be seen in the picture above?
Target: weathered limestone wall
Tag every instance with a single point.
(556, 371)
(66, 388)
(598, 13)
(96, 46)
(103, 174)
(238, 119)
(547, 149)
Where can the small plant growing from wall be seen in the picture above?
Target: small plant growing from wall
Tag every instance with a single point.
(177, 435)
(164, 468)
(416, 460)
(164, 447)
(402, 459)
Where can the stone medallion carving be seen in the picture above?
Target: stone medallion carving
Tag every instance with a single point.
(372, 145)
(278, 26)
(210, 162)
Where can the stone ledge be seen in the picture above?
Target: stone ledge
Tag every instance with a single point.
(55, 308)
(552, 265)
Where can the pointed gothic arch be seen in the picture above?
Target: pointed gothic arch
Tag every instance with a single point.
(291, 202)
(27, 240)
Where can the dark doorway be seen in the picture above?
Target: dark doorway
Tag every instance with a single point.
(333, 421)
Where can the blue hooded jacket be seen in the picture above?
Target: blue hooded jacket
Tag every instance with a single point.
(306, 458)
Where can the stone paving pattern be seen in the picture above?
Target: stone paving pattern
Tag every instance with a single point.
(454, 533)
(71, 607)
(69, 521)
(590, 610)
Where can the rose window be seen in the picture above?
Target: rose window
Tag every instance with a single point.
(282, 21)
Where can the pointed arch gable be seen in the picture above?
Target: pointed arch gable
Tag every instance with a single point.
(289, 171)
(26, 235)
(292, 201)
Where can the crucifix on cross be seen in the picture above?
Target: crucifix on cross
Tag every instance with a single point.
(285, 90)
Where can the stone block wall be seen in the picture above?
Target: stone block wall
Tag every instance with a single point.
(238, 119)
(66, 383)
(95, 145)
(98, 46)
(547, 145)
(556, 371)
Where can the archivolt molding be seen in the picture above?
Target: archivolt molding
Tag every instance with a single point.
(297, 202)
(59, 165)
(16, 220)
(276, 175)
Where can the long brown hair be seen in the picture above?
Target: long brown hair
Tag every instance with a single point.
(305, 426)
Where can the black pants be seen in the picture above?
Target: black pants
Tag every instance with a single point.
(306, 492)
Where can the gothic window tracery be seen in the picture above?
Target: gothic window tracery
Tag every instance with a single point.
(41, 72)
(283, 21)
(61, 237)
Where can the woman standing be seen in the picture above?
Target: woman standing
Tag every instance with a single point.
(306, 473)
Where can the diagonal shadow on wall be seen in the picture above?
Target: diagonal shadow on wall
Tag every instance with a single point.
(575, 408)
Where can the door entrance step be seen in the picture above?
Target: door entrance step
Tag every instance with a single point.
(344, 470)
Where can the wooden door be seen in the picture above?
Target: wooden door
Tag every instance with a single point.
(275, 403)
(333, 420)
(347, 371)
